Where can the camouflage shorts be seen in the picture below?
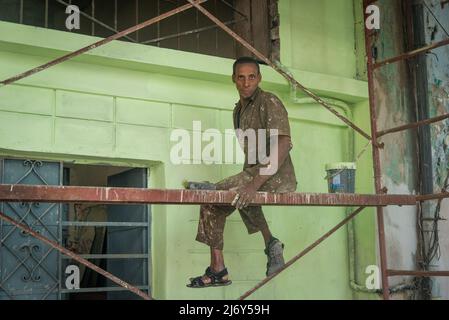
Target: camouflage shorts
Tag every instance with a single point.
(213, 218)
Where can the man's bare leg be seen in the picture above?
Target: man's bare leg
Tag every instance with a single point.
(216, 260)
(267, 236)
(216, 256)
(216, 274)
(216, 264)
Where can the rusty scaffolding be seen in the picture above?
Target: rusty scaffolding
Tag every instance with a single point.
(28, 193)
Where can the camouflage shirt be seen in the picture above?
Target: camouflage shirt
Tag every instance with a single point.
(263, 110)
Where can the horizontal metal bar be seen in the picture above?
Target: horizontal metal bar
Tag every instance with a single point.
(65, 194)
(393, 273)
(429, 197)
(414, 125)
(411, 54)
(100, 289)
(103, 224)
(111, 256)
(98, 43)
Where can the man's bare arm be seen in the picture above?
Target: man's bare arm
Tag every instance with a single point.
(247, 193)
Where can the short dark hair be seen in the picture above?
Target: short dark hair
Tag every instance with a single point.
(245, 60)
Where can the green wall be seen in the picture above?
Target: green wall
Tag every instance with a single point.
(318, 36)
(365, 232)
(117, 105)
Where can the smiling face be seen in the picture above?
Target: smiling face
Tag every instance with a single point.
(246, 79)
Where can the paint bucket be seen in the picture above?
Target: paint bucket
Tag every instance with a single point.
(341, 177)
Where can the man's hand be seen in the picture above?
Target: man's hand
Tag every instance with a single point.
(245, 195)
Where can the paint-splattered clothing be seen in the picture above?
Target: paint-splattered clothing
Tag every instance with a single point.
(262, 111)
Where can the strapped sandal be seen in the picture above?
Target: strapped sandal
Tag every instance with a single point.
(216, 279)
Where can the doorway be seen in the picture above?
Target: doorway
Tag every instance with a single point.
(114, 237)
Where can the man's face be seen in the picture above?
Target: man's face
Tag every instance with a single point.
(246, 79)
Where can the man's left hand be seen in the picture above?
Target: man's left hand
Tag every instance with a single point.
(245, 195)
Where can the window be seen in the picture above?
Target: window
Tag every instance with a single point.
(254, 20)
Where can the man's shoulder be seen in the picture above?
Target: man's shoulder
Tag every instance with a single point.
(270, 98)
(267, 93)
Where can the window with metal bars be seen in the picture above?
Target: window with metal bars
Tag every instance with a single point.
(255, 20)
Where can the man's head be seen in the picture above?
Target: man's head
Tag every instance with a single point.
(246, 76)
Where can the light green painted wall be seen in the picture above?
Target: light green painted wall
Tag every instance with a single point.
(364, 224)
(318, 36)
(118, 104)
(360, 47)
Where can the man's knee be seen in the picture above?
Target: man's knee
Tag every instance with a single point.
(235, 181)
(214, 210)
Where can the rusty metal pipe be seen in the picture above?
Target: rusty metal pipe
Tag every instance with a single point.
(411, 54)
(413, 125)
(393, 273)
(376, 164)
(437, 196)
(76, 257)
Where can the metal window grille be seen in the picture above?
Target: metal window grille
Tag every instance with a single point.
(187, 31)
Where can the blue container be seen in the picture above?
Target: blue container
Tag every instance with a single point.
(341, 177)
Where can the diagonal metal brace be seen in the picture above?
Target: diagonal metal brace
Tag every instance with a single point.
(99, 43)
(286, 75)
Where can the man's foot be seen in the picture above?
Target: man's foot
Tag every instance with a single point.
(274, 251)
(210, 279)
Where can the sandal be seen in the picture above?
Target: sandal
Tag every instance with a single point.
(216, 279)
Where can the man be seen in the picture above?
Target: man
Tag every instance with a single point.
(256, 110)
